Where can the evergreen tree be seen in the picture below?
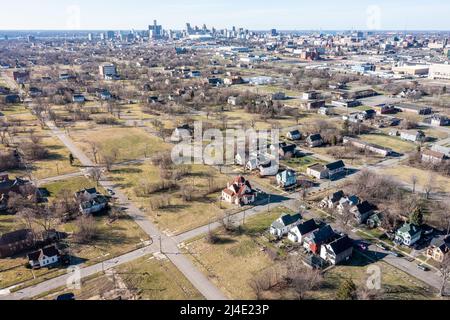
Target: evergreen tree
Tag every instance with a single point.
(347, 290)
(416, 217)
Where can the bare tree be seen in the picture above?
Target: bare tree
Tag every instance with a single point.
(95, 173)
(414, 182)
(302, 279)
(94, 150)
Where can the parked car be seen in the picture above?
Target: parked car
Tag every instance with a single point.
(381, 246)
(395, 254)
(422, 267)
(66, 296)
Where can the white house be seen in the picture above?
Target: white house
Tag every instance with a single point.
(43, 257)
(412, 135)
(269, 169)
(408, 235)
(337, 251)
(294, 135)
(284, 224)
(297, 233)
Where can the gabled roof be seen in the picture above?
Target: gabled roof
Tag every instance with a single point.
(307, 226)
(286, 220)
(442, 242)
(335, 165)
(409, 228)
(290, 219)
(47, 252)
(335, 197)
(365, 207)
(340, 245)
(315, 137)
(324, 234)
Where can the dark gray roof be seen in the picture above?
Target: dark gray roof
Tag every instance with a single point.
(307, 226)
(365, 207)
(15, 236)
(335, 165)
(322, 235)
(340, 245)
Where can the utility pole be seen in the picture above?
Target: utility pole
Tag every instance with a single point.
(160, 244)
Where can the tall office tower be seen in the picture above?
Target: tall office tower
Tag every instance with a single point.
(102, 36)
(188, 28)
(273, 32)
(110, 35)
(155, 30)
(90, 37)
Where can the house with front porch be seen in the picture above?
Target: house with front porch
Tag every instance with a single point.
(408, 235)
(282, 225)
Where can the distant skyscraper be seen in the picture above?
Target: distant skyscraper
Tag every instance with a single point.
(273, 32)
(188, 28)
(155, 30)
(90, 37)
(110, 35)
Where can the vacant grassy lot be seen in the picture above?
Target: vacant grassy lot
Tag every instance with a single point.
(302, 163)
(129, 143)
(57, 162)
(202, 182)
(386, 141)
(404, 173)
(157, 280)
(395, 284)
(145, 279)
(233, 262)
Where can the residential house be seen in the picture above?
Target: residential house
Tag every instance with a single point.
(408, 234)
(439, 248)
(287, 150)
(299, 232)
(294, 135)
(314, 140)
(434, 157)
(183, 132)
(337, 251)
(362, 211)
(15, 242)
(282, 225)
(385, 152)
(313, 241)
(269, 169)
(239, 192)
(90, 201)
(387, 109)
(335, 169)
(346, 203)
(345, 103)
(287, 179)
(317, 171)
(439, 120)
(413, 108)
(43, 257)
(332, 200)
(412, 135)
(312, 104)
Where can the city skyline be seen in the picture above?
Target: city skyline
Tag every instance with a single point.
(251, 14)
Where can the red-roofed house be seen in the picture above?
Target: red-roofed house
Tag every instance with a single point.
(239, 192)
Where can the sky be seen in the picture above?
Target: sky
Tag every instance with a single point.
(249, 14)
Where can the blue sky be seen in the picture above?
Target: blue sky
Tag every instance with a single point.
(252, 14)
